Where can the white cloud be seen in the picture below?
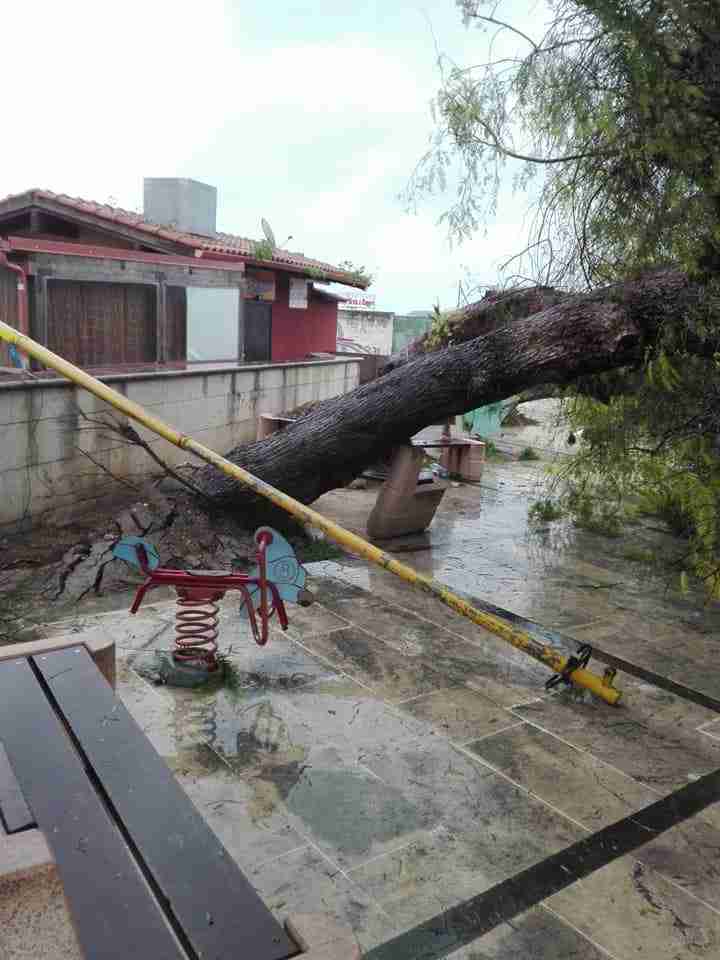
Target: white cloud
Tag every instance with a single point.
(104, 99)
(327, 79)
(365, 182)
(313, 119)
(418, 265)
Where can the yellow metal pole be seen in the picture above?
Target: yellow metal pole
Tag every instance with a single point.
(543, 652)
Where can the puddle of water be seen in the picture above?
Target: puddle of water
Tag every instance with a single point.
(350, 810)
(482, 545)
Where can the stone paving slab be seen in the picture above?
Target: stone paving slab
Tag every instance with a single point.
(409, 634)
(537, 934)
(385, 758)
(596, 795)
(249, 831)
(688, 656)
(305, 881)
(632, 911)
(340, 711)
(376, 665)
(459, 860)
(459, 714)
(652, 735)
(335, 799)
(148, 707)
(308, 621)
(489, 671)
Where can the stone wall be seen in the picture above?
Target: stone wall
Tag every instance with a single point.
(44, 425)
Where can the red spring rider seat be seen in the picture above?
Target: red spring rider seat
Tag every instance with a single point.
(276, 577)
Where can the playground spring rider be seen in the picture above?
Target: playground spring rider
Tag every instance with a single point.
(277, 577)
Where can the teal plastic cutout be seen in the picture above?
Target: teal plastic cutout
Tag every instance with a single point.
(125, 550)
(283, 568)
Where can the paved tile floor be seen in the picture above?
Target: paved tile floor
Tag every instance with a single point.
(374, 765)
(384, 760)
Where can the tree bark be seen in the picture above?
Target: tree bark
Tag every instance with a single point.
(496, 308)
(336, 440)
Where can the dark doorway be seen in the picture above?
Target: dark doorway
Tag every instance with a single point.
(258, 331)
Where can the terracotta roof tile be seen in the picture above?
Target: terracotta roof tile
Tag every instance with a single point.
(225, 244)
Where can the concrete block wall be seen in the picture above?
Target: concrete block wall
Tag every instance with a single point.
(44, 426)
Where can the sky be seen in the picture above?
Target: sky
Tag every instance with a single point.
(310, 114)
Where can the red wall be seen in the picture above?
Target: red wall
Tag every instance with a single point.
(296, 333)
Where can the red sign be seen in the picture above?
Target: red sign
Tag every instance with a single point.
(364, 300)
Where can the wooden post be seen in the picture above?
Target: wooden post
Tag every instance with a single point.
(40, 313)
(241, 323)
(161, 320)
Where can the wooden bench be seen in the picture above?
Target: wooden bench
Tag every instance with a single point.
(142, 873)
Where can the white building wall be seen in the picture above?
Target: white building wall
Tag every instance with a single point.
(373, 330)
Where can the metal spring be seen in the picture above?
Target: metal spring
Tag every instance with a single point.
(196, 630)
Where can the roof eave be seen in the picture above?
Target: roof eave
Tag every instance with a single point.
(334, 276)
(162, 239)
(37, 200)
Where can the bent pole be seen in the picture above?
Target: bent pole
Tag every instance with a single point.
(546, 654)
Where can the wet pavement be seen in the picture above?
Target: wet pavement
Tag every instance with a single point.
(385, 760)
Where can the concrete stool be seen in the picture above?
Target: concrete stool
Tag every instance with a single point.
(464, 458)
(403, 505)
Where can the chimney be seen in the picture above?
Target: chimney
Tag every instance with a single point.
(186, 205)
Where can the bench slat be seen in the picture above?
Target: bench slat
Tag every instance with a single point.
(14, 812)
(113, 914)
(219, 911)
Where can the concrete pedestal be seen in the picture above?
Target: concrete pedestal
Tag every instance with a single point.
(464, 459)
(403, 505)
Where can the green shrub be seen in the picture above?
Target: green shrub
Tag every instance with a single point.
(528, 454)
(545, 511)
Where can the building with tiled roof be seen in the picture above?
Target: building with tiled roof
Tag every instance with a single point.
(105, 286)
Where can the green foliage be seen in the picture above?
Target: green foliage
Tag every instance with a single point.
(311, 551)
(614, 109)
(440, 332)
(315, 273)
(654, 452)
(613, 116)
(528, 454)
(264, 250)
(492, 453)
(545, 510)
(601, 519)
(359, 275)
(637, 554)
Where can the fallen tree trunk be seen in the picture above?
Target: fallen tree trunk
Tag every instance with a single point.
(496, 308)
(334, 442)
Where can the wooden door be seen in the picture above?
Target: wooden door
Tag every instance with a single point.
(102, 324)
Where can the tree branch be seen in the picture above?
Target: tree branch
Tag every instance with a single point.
(101, 466)
(506, 26)
(582, 334)
(506, 151)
